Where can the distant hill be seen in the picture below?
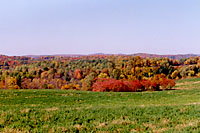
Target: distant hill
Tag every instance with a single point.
(143, 55)
(60, 55)
(177, 56)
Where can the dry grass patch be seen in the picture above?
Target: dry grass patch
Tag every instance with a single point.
(122, 122)
(25, 110)
(101, 125)
(52, 109)
(160, 130)
(150, 126)
(187, 124)
(79, 127)
(196, 103)
(156, 128)
(12, 130)
(114, 122)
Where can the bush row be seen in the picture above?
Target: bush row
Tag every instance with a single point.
(113, 85)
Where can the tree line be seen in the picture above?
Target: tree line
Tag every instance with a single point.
(95, 73)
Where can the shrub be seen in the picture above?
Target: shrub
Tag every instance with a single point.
(70, 86)
(134, 85)
(149, 85)
(114, 85)
(166, 83)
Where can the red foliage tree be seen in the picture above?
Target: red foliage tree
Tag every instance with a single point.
(149, 85)
(114, 85)
(78, 74)
(167, 83)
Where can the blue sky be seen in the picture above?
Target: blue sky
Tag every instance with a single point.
(99, 26)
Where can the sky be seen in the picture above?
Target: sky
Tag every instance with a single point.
(45, 27)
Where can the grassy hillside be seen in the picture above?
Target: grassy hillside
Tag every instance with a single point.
(191, 83)
(60, 110)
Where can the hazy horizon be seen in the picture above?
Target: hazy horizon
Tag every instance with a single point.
(29, 55)
(108, 26)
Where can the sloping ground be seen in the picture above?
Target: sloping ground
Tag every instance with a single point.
(73, 111)
(192, 83)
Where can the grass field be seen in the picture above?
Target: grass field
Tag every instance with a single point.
(74, 111)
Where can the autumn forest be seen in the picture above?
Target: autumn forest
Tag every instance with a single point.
(111, 73)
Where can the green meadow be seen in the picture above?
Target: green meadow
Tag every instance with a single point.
(175, 110)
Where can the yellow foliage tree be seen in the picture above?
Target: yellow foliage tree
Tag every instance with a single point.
(174, 74)
(11, 83)
(103, 75)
